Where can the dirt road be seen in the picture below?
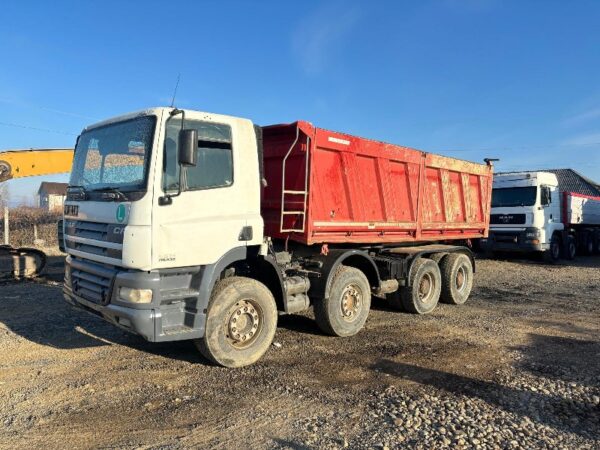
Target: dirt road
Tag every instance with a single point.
(517, 366)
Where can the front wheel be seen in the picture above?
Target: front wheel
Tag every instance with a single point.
(346, 309)
(552, 255)
(241, 320)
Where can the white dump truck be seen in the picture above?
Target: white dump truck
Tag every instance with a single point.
(535, 212)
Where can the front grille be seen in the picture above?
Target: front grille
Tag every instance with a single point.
(94, 249)
(89, 237)
(506, 219)
(92, 281)
(506, 238)
(89, 230)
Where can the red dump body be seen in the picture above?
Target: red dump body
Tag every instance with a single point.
(361, 191)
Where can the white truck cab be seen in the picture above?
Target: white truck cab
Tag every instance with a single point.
(525, 214)
(142, 238)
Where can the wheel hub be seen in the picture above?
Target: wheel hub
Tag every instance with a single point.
(244, 323)
(425, 287)
(351, 302)
(461, 278)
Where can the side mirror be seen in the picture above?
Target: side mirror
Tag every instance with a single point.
(188, 143)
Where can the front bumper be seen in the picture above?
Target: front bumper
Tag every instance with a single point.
(176, 311)
(511, 241)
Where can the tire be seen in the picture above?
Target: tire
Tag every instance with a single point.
(235, 300)
(425, 285)
(597, 242)
(552, 255)
(395, 299)
(588, 244)
(346, 309)
(457, 278)
(437, 257)
(571, 248)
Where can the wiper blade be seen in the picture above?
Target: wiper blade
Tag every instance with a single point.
(117, 194)
(75, 192)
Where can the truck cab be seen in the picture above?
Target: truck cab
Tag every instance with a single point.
(525, 214)
(133, 213)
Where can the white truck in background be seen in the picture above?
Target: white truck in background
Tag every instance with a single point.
(531, 212)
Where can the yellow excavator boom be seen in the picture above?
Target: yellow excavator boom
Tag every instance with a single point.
(31, 163)
(29, 262)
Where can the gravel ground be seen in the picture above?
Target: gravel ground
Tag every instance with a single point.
(516, 367)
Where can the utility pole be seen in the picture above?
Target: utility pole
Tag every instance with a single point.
(6, 231)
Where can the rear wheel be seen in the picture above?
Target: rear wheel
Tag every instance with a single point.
(438, 257)
(425, 283)
(241, 320)
(588, 244)
(457, 278)
(346, 309)
(571, 249)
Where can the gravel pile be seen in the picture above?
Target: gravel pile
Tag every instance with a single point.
(519, 410)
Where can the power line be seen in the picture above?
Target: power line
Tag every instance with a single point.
(47, 130)
(44, 108)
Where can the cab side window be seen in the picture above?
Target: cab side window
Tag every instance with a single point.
(545, 198)
(214, 155)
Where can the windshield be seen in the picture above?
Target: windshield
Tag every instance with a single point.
(114, 156)
(517, 196)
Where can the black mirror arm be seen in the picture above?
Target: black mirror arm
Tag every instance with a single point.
(168, 198)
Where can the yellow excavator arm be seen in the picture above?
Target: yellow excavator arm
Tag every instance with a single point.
(31, 163)
(29, 262)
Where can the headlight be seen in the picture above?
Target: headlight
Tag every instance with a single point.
(135, 295)
(532, 233)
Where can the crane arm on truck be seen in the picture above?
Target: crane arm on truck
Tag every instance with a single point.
(29, 262)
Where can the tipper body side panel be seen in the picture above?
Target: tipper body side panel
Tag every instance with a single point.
(329, 187)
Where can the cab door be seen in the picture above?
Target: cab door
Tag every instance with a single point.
(204, 209)
(550, 204)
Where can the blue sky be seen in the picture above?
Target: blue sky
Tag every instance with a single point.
(516, 80)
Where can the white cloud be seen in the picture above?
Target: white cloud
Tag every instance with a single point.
(583, 139)
(583, 117)
(316, 38)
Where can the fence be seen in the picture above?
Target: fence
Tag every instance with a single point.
(29, 227)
